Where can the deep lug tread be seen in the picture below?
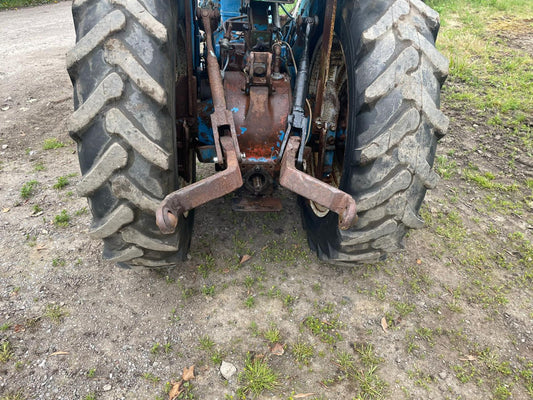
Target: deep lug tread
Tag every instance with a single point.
(132, 235)
(117, 54)
(147, 20)
(111, 23)
(110, 88)
(116, 219)
(398, 9)
(124, 255)
(113, 159)
(124, 188)
(119, 124)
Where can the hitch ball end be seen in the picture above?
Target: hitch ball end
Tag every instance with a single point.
(348, 217)
(166, 220)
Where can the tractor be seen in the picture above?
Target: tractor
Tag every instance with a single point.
(335, 100)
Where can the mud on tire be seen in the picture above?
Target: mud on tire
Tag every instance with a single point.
(123, 72)
(394, 76)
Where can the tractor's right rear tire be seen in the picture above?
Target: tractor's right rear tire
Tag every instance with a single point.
(123, 69)
(394, 76)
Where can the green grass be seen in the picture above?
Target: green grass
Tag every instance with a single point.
(8, 4)
(257, 377)
(28, 189)
(485, 72)
(303, 352)
(55, 312)
(62, 219)
(6, 352)
(52, 144)
(62, 181)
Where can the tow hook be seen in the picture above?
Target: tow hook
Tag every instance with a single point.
(201, 192)
(314, 189)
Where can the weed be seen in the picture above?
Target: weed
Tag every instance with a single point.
(62, 181)
(167, 348)
(19, 395)
(151, 377)
(52, 144)
(207, 266)
(272, 334)
(254, 328)
(56, 262)
(256, 377)
(250, 301)
(445, 167)
(367, 355)
(325, 330)
(5, 326)
(206, 343)
(55, 312)
(156, 348)
(90, 396)
(345, 361)
(62, 219)
(6, 352)
(303, 352)
(28, 189)
(208, 290)
(91, 373)
(403, 309)
(37, 209)
(39, 167)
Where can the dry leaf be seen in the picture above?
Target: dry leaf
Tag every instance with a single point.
(176, 390)
(418, 261)
(188, 373)
(19, 328)
(302, 395)
(60, 353)
(4, 210)
(468, 358)
(384, 325)
(40, 247)
(277, 349)
(245, 258)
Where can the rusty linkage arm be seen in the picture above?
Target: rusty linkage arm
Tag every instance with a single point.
(201, 192)
(315, 190)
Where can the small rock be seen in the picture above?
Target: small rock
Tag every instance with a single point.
(227, 370)
(106, 388)
(4, 146)
(443, 375)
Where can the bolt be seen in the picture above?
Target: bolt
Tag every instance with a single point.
(243, 155)
(215, 160)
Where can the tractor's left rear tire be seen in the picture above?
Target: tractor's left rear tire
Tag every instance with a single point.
(123, 69)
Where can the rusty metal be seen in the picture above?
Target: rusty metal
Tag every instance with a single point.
(315, 190)
(256, 204)
(222, 118)
(201, 192)
(327, 42)
(259, 70)
(260, 119)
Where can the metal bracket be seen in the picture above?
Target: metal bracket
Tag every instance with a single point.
(192, 196)
(314, 189)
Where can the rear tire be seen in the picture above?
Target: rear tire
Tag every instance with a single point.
(394, 79)
(123, 69)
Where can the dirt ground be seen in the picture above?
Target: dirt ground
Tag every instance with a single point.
(449, 318)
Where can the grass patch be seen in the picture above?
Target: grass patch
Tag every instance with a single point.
(62, 219)
(257, 377)
(28, 189)
(62, 181)
(9, 4)
(52, 144)
(55, 312)
(6, 352)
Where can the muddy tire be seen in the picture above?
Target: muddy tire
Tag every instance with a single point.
(123, 69)
(394, 79)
